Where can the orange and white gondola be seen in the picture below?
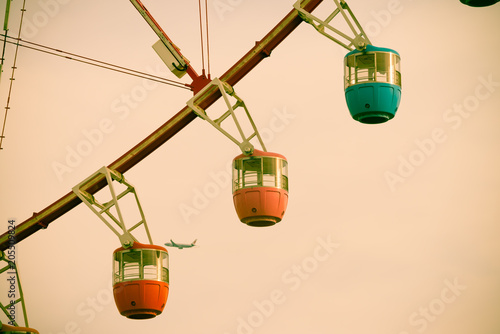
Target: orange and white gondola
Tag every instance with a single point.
(260, 178)
(140, 271)
(260, 187)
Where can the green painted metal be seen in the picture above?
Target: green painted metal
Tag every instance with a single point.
(11, 269)
(7, 12)
(5, 29)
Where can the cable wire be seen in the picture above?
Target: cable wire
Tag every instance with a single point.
(208, 44)
(98, 63)
(201, 39)
(207, 38)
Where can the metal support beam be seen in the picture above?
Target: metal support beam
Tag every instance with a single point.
(226, 90)
(106, 214)
(261, 50)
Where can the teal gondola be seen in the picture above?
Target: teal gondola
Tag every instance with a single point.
(372, 84)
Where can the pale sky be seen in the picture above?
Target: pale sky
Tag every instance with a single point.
(390, 228)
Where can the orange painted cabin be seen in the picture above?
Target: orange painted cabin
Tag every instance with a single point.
(260, 188)
(140, 280)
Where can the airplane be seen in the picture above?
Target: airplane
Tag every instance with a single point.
(180, 246)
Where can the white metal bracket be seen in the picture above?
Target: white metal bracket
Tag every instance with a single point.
(165, 49)
(226, 91)
(358, 41)
(102, 210)
(170, 57)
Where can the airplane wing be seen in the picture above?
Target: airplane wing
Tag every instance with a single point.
(170, 244)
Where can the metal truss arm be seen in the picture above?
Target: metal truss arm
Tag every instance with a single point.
(226, 91)
(359, 40)
(103, 210)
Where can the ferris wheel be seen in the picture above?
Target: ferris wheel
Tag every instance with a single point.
(372, 87)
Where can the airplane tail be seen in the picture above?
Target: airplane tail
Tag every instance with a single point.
(194, 242)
